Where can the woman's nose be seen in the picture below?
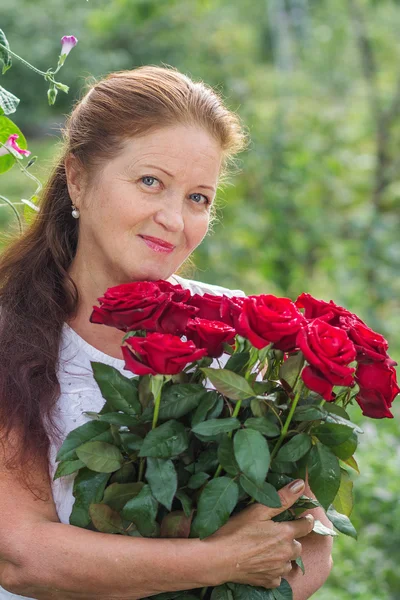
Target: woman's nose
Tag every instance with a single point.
(171, 218)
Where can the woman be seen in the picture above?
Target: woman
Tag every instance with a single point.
(130, 199)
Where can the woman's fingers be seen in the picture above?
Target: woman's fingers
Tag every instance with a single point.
(302, 527)
(297, 548)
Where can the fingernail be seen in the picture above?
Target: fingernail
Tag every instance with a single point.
(297, 486)
(310, 519)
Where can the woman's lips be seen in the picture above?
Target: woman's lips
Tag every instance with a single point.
(157, 246)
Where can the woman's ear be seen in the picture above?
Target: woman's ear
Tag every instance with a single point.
(75, 178)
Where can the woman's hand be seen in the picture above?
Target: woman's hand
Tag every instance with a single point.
(258, 550)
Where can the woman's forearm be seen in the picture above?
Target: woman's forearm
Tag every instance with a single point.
(316, 556)
(66, 562)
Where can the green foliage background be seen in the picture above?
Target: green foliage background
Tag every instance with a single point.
(314, 205)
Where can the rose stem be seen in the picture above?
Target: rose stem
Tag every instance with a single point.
(286, 425)
(156, 383)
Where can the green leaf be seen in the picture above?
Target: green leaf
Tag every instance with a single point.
(115, 418)
(290, 369)
(264, 493)
(309, 413)
(252, 454)
(332, 434)
(216, 503)
(163, 480)
(165, 441)
(216, 426)
(226, 456)
(117, 495)
(100, 456)
(324, 474)
(262, 387)
(8, 102)
(142, 511)
(352, 463)
(263, 425)
(91, 431)
(7, 128)
(295, 448)
(176, 525)
(207, 460)
(334, 409)
(283, 592)
(105, 519)
(197, 480)
(206, 404)
(88, 489)
(67, 467)
(299, 563)
(346, 449)
(249, 592)
(238, 361)
(332, 418)
(258, 407)
(229, 384)
(227, 348)
(178, 400)
(131, 442)
(185, 501)
(343, 501)
(144, 391)
(221, 592)
(322, 529)
(217, 409)
(5, 56)
(125, 474)
(305, 502)
(167, 595)
(120, 392)
(341, 522)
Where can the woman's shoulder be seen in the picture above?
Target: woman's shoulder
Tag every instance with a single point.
(199, 287)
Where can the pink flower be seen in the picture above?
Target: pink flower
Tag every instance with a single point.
(67, 43)
(11, 144)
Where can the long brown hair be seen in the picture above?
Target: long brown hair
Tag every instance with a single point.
(36, 292)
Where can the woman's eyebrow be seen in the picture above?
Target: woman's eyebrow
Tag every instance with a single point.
(207, 187)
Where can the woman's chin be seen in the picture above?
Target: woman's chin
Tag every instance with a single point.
(151, 274)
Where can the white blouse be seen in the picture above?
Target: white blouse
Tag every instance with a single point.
(80, 393)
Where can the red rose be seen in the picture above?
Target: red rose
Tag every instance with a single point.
(210, 335)
(149, 305)
(175, 317)
(208, 305)
(326, 311)
(159, 353)
(328, 350)
(231, 309)
(378, 388)
(179, 294)
(370, 346)
(266, 318)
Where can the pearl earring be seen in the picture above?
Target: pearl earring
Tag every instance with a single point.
(75, 212)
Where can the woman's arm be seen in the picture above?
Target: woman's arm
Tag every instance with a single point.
(48, 560)
(66, 562)
(316, 556)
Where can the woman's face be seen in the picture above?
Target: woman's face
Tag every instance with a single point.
(160, 185)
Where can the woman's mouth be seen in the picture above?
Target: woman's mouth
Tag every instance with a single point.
(157, 245)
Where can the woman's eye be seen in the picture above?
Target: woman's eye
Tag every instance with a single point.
(147, 180)
(207, 200)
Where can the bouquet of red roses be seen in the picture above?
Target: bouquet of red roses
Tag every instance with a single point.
(235, 397)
